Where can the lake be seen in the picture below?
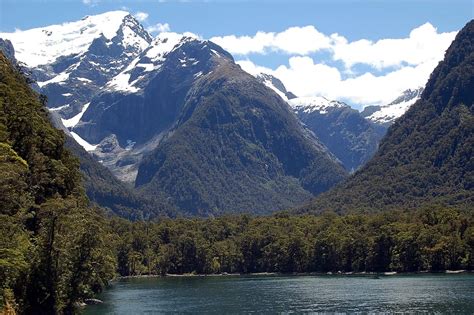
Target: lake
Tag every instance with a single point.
(275, 294)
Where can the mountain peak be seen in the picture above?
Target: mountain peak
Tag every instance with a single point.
(386, 114)
(186, 49)
(314, 103)
(44, 45)
(408, 95)
(275, 84)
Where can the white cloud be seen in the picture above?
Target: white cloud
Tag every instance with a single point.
(304, 77)
(141, 16)
(424, 44)
(403, 63)
(90, 2)
(244, 45)
(301, 40)
(252, 68)
(294, 40)
(159, 28)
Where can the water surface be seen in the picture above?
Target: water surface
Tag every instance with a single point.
(277, 294)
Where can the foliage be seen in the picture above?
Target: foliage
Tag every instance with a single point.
(104, 189)
(52, 245)
(431, 239)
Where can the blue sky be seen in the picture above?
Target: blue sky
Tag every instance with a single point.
(355, 19)
(369, 21)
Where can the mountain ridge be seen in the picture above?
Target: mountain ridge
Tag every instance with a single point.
(426, 156)
(230, 109)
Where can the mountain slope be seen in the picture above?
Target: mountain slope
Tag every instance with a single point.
(426, 156)
(344, 131)
(348, 135)
(385, 115)
(235, 147)
(127, 120)
(104, 189)
(53, 251)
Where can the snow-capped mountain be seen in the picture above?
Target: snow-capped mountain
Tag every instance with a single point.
(343, 130)
(135, 76)
(350, 137)
(71, 62)
(386, 114)
(185, 100)
(315, 104)
(276, 85)
(132, 101)
(44, 45)
(133, 112)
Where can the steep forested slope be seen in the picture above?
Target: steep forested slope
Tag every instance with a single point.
(427, 155)
(52, 245)
(236, 147)
(104, 189)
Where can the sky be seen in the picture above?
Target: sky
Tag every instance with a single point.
(360, 52)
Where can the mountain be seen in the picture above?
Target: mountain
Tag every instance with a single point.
(348, 135)
(128, 117)
(149, 94)
(153, 93)
(385, 115)
(71, 62)
(276, 85)
(426, 156)
(102, 187)
(344, 131)
(233, 144)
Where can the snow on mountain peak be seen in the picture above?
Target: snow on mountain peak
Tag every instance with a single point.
(43, 45)
(314, 103)
(386, 114)
(150, 60)
(273, 83)
(165, 42)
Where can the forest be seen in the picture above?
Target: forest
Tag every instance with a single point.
(431, 239)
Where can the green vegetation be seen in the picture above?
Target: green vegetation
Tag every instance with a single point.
(114, 196)
(431, 239)
(52, 246)
(426, 156)
(237, 148)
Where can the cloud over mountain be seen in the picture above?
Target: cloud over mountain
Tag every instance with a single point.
(361, 71)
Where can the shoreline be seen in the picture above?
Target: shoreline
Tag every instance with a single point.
(297, 274)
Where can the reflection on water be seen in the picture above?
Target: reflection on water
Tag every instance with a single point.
(270, 294)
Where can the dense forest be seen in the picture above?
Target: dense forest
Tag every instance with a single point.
(432, 239)
(52, 245)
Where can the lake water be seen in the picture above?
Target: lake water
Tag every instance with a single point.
(276, 294)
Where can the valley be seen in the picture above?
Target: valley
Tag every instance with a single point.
(130, 153)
